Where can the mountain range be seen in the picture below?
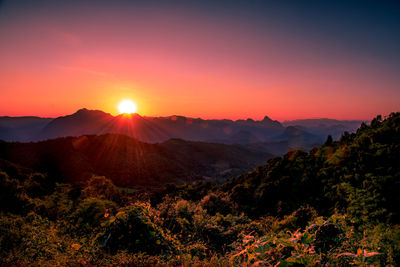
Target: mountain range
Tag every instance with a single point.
(267, 135)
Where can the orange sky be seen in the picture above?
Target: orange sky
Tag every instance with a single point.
(195, 62)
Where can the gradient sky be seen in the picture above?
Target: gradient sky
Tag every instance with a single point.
(209, 59)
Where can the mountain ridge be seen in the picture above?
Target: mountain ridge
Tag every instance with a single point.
(130, 162)
(159, 129)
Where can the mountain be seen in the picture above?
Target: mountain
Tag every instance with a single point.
(323, 122)
(129, 162)
(21, 128)
(291, 139)
(221, 131)
(243, 137)
(81, 122)
(146, 129)
(298, 138)
(324, 127)
(267, 135)
(98, 122)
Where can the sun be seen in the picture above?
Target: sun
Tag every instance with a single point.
(127, 106)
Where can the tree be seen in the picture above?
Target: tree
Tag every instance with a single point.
(101, 187)
(329, 140)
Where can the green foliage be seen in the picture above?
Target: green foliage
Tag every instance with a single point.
(358, 175)
(11, 233)
(37, 185)
(12, 195)
(58, 205)
(90, 214)
(321, 243)
(299, 218)
(219, 202)
(136, 228)
(101, 187)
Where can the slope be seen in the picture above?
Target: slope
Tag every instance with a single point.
(129, 162)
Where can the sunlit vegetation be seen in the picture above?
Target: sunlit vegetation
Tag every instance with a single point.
(336, 205)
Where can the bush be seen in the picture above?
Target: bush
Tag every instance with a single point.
(12, 196)
(11, 234)
(56, 206)
(218, 202)
(37, 185)
(328, 236)
(90, 213)
(136, 228)
(299, 219)
(101, 187)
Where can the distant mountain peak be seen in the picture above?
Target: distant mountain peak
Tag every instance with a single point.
(293, 130)
(81, 111)
(89, 111)
(267, 119)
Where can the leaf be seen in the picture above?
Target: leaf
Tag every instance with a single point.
(76, 246)
(370, 254)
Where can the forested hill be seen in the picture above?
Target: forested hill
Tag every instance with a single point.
(358, 175)
(129, 162)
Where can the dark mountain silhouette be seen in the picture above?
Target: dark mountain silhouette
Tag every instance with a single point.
(243, 137)
(147, 129)
(323, 122)
(324, 127)
(152, 129)
(129, 162)
(267, 134)
(298, 138)
(292, 138)
(81, 122)
(98, 122)
(221, 131)
(21, 128)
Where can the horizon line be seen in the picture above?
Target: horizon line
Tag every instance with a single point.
(191, 117)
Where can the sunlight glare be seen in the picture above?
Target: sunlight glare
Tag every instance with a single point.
(127, 106)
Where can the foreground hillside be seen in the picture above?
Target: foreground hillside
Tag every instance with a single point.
(336, 205)
(128, 162)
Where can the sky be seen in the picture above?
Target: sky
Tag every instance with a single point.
(209, 59)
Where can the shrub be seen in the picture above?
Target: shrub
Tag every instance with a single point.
(101, 187)
(217, 202)
(299, 219)
(11, 233)
(136, 228)
(37, 185)
(12, 196)
(90, 213)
